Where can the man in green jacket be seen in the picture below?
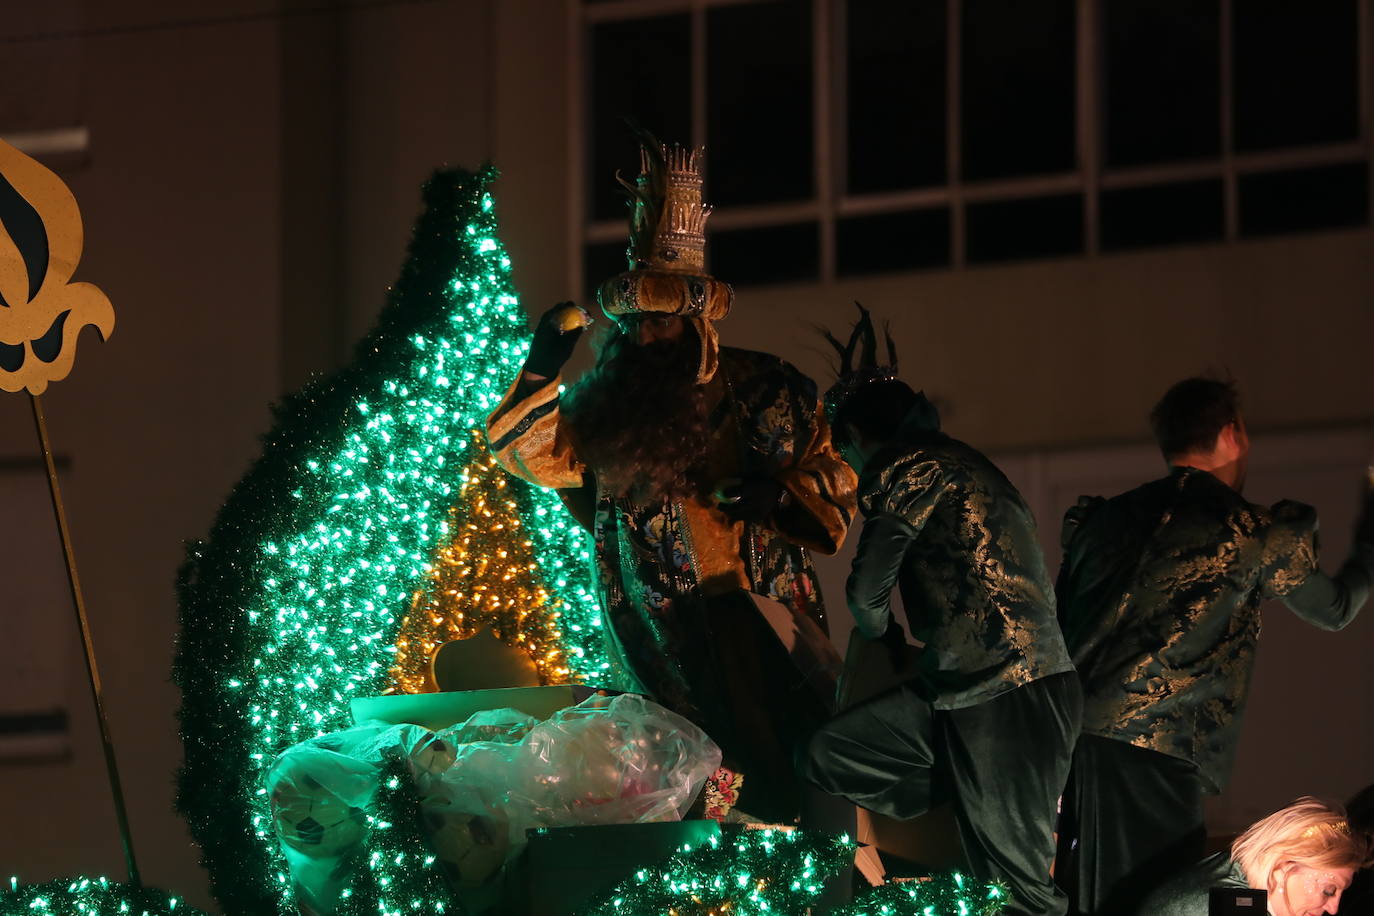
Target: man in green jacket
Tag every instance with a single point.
(990, 716)
(1159, 599)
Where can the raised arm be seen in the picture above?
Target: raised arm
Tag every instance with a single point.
(1330, 602)
(525, 431)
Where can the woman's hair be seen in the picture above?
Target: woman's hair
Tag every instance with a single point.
(1308, 832)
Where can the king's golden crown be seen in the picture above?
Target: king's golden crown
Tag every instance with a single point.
(679, 243)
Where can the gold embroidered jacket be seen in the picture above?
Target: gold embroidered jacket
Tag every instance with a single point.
(1159, 600)
(944, 523)
(653, 559)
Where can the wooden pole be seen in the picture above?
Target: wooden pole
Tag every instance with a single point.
(107, 743)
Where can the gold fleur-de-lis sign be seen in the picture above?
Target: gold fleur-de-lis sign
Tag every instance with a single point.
(41, 311)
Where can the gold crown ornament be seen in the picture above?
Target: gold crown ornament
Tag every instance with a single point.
(667, 250)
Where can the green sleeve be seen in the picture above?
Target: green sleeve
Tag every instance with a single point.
(882, 546)
(1292, 573)
(1331, 602)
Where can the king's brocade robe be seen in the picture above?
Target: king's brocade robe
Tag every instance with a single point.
(1159, 600)
(657, 560)
(943, 523)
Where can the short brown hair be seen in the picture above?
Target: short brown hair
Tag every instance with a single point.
(1193, 413)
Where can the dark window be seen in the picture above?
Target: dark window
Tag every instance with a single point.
(641, 69)
(1040, 227)
(1295, 72)
(1322, 198)
(1163, 215)
(896, 95)
(774, 254)
(759, 103)
(892, 241)
(600, 262)
(1018, 87)
(1163, 90)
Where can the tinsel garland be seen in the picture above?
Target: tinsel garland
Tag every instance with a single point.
(89, 897)
(741, 873)
(944, 894)
(294, 602)
(398, 873)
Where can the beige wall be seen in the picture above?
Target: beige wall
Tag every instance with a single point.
(248, 195)
(1054, 353)
(181, 202)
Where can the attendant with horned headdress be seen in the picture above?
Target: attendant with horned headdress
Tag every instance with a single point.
(991, 712)
(705, 473)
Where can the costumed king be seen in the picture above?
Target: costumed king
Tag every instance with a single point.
(1159, 600)
(705, 474)
(992, 711)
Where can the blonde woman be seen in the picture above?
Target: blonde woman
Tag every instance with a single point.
(1304, 855)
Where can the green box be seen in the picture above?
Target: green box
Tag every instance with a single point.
(565, 868)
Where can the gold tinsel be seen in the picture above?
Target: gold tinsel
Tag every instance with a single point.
(485, 576)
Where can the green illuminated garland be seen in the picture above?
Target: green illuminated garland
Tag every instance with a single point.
(768, 871)
(293, 603)
(945, 894)
(89, 897)
(745, 872)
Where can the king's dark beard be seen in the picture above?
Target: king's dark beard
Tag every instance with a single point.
(639, 418)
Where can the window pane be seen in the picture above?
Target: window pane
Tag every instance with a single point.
(1295, 71)
(1324, 198)
(896, 95)
(1166, 215)
(641, 69)
(1018, 87)
(600, 262)
(892, 241)
(1041, 227)
(1163, 80)
(774, 254)
(759, 136)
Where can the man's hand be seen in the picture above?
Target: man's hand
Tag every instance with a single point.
(555, 337)
(749, 499)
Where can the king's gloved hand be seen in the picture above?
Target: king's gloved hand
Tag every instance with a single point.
(555, 337)
(750, 499)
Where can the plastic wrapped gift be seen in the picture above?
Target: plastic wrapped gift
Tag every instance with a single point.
(484, 782)
(608, 760)
(320, 791)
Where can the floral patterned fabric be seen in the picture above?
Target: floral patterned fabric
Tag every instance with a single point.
(1159, 599)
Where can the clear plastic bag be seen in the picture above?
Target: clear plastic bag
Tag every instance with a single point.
(484, 782)
(608, 760)
(320, 791)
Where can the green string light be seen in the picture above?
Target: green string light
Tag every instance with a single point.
(743, 873)
(292, 605)
(89, 897)
(943, 894)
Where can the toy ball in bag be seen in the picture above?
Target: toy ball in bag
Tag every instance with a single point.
(470, 847)
(313, 821)
(431, 756)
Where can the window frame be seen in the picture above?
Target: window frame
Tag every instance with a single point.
(831, 201)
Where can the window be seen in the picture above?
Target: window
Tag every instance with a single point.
(851, 137)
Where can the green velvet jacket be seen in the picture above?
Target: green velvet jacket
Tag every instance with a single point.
(1159, 599)
(943, 523)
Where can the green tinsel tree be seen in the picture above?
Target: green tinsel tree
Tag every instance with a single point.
(297, 600)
